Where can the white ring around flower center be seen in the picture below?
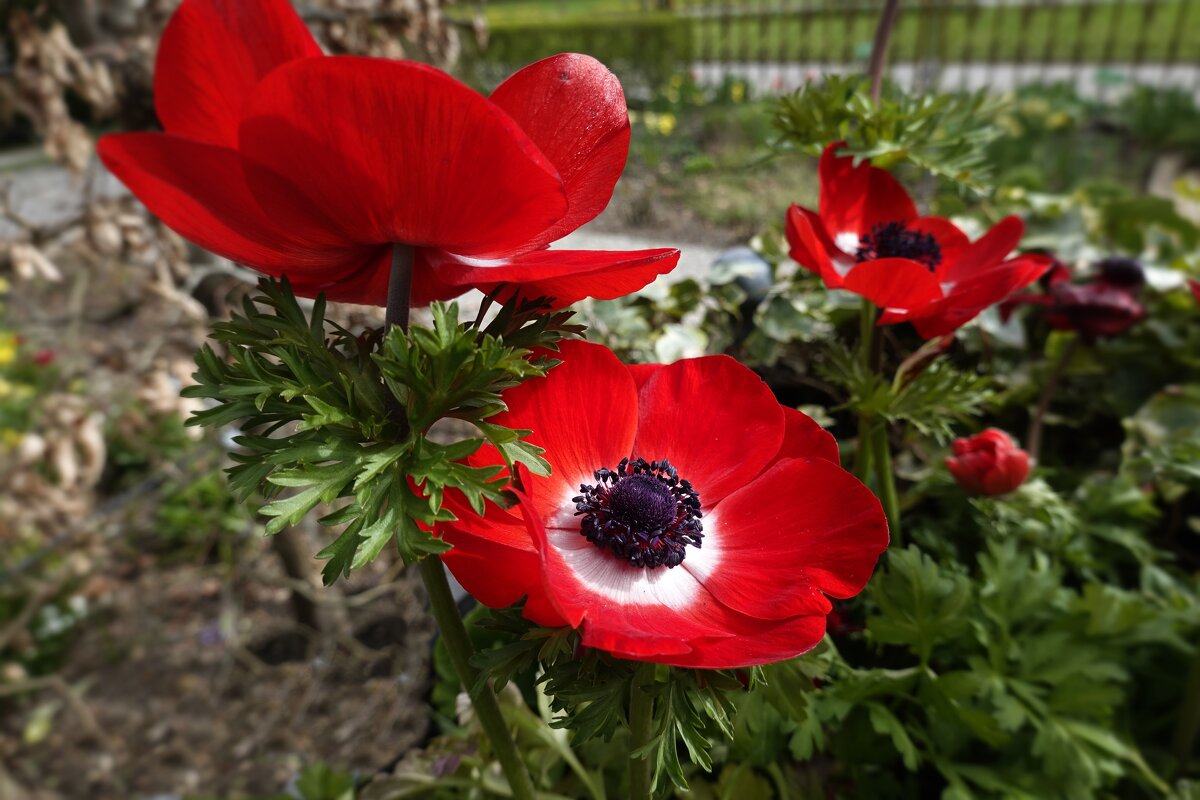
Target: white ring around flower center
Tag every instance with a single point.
(619, 581)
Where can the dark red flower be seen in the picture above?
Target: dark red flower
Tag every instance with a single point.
(1105, 306)
(294, 163)
(988, 463)
(869, 239)
(44, 358)
(689, 519)
(1194, 285)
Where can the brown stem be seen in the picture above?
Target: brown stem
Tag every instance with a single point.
(1033, 439)
(883, 35)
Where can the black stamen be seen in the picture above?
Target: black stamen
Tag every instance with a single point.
(893, 240)
(642, 513)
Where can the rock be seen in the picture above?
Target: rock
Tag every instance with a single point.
(11, 232)
(49, 198)
(45, 198)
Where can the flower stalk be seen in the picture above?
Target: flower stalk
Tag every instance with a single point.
(1033, 439)
(641, 719)
(1187, 728)
(881, 456)
(483, 699)
(883, 35)
(874, 452)
(441, 600)
(862, 455)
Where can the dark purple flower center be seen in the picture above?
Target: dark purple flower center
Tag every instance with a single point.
(642, 512)
(893, 240)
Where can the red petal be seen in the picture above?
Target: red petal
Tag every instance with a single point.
(496, 561)
(396, 151)
(585, 415)
(573, 109)
(805, 528)
(894, 283)
(367, 286)
(566, 276)
(1194, 285)
(988, 251)
(810, 246)
(713, 419)
(855, 199)
(642, 372)
(200, 191)
(970, 297)
(766, 643)
(212, 55)
(804, 438)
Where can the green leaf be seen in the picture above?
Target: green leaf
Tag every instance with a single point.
(885, 723)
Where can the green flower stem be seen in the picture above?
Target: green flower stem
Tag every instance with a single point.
(881, 456)
(487, 709)
(441, 601)
(641, 719)
(399, 286)
(1033, 439)
(1187, 728)
(866, 341)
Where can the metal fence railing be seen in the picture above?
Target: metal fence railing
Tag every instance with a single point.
(1098, 45)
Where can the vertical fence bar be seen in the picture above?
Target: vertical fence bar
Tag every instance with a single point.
(1053, 25)
(1105, 62)
(1021, 53)
(896, 50)
(762, 50)
(1177, 28)
(849, 16)
(993, 50)
(970, 13)
(1085, 9)
(727, 36)
(920, 45)
(941, 28)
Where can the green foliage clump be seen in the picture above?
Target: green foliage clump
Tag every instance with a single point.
(335, 415)
(943, 134)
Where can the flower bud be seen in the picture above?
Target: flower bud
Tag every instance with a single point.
(988, 463)
(1094, 310)
(1121, 271)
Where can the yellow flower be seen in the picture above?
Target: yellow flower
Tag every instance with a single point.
(5, 286)
(10, 438)
(6, 389)
(8, 349)
(737, 92)
(1059, 119)
(666, 123)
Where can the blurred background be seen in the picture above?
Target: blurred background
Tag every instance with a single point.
(152, 642)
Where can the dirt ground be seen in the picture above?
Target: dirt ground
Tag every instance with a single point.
(188, 682)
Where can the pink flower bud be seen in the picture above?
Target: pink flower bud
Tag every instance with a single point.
(988, 463)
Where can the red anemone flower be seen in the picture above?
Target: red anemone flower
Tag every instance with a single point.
(869, 239)
(313, 167)
(689, 520)
(1194, 285)
(988, 463)
(1106, 306)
